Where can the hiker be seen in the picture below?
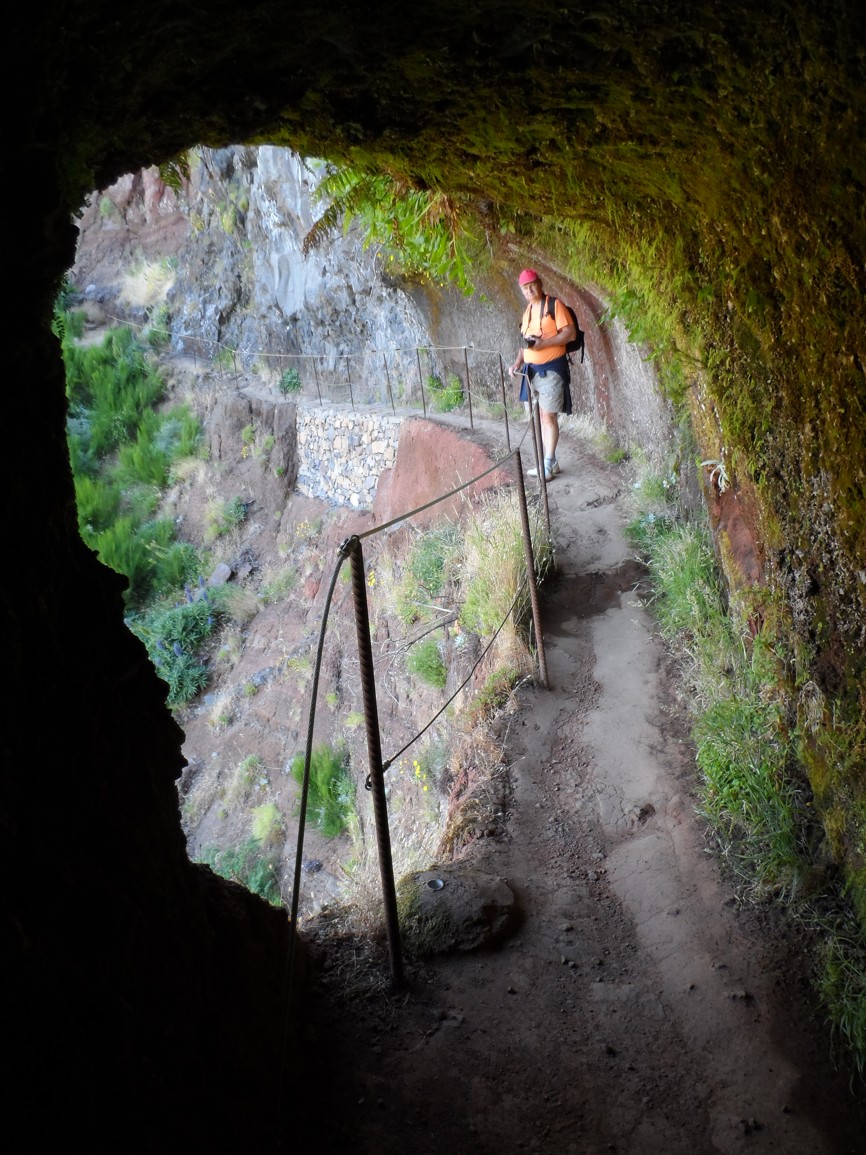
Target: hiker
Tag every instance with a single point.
(543, 360)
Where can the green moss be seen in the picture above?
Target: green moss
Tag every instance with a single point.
(706, 173)
(424, 930)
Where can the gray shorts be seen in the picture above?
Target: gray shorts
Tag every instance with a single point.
(549, 388)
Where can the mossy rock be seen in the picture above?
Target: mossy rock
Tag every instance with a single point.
(443, 910)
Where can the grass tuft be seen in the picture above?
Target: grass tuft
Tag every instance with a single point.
(331, 790)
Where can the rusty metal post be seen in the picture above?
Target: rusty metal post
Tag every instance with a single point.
(316, 375)
(530, 572)
(388, 382)
(374, 751)
(421, 382)
(349, 383)
(468, 389)
(538, 443)
(504, 401)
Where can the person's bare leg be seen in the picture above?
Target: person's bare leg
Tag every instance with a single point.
(549, 434)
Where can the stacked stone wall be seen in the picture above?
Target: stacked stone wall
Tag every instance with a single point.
(342, 453)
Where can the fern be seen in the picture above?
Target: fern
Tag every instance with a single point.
(426, 234)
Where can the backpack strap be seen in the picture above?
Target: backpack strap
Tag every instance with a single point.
(580, 335)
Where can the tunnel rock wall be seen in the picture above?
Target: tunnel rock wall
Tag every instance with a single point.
(718, 149)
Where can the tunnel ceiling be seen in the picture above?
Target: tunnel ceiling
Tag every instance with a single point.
(704, 164)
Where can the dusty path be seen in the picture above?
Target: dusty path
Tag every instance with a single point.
(637, 1009)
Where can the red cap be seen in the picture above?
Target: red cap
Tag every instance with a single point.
(527, 276)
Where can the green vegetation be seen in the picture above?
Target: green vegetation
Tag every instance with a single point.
(267, 823)
(122, 450)
(495, 692)
(754, 791)
(225, 357)
(277, 584)
(175, 637)
(290, 382)
(427, 572)
(421, 234)
(493, 570)
(842, 985)
(331, 791)
(223, 517)
(445, 396)
(425, 660)
(251, 864)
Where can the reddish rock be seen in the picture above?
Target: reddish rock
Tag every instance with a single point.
(432, 459)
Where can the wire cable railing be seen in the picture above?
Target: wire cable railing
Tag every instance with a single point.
(465, 379)
(472, 393)
(352, 550)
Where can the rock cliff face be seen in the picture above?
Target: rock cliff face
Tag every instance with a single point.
(234, 236)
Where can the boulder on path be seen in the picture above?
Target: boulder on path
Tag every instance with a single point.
(448, 909)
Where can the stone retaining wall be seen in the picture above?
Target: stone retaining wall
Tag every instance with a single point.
(341, 452)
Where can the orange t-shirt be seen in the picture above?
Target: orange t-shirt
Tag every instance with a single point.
(537, 322)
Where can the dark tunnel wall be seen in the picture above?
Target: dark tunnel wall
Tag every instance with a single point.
(714, 156)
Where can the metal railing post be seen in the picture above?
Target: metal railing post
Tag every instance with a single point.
(388, 382)
(504, 401)
(530, 572)
(349, 383)
(538, 442)
(374, 750)
(468, 389)
(421, 381)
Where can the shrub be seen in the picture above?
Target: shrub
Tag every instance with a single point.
(495, 692)
(747, 795)
(176, 564)
(445, 397)
(224, 516)
(331, 791)
(842, 986)
(250, 865)
(430, 556)
(267, 823)
(173, 638)
(425, 660)
(98, 503)
(433, 554)
(122, 549)
(290, 382)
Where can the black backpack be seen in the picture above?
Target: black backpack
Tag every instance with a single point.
(579, 342)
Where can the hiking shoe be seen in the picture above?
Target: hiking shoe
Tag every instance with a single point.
(548, 473)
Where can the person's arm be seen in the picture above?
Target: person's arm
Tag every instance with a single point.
(562, 335)
(518, 360)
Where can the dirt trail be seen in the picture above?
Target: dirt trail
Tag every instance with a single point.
(638, 1008)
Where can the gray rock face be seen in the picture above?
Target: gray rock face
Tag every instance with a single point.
(246, 283)
(245, 291)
